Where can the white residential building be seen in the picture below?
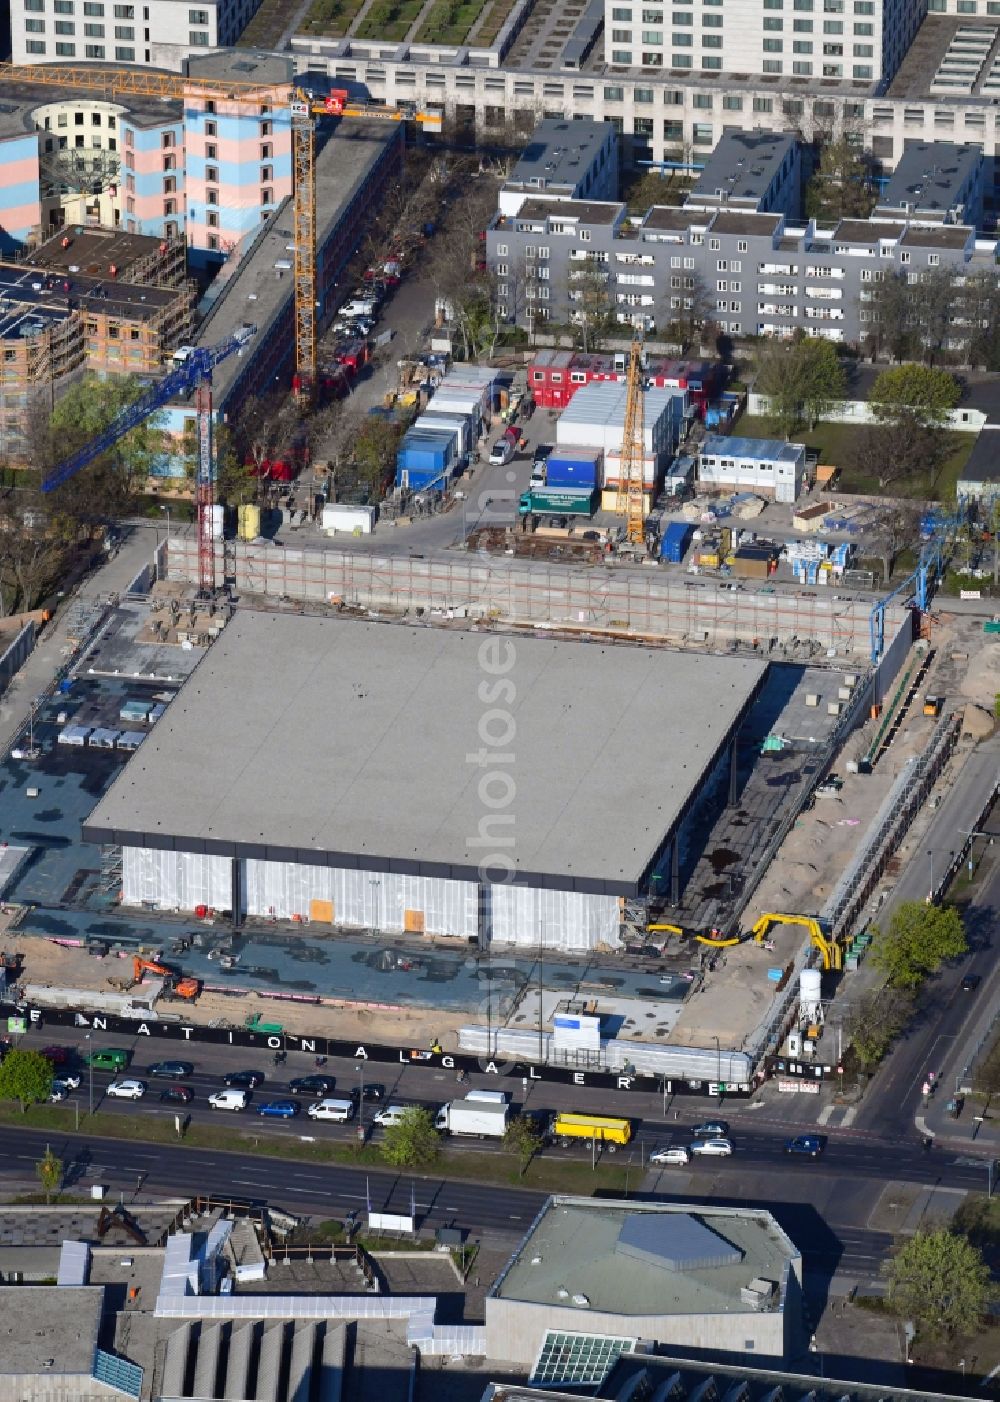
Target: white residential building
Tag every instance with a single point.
(161, 33)
(863, 40)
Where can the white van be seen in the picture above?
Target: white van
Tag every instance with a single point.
(489, 1097)
(390, 1115)
(358, 306)
(229, 1099)
(339, 1110)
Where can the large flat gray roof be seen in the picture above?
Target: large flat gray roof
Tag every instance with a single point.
(39, 1323)
(350, 743)
(574, 1247)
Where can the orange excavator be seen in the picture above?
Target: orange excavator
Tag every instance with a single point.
(177, 985)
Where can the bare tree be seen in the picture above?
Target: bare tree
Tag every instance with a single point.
(32, 555)
(688, 311)
(588, 294)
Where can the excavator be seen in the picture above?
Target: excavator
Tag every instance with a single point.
(830, 950)
(176, 985)
(715, 939)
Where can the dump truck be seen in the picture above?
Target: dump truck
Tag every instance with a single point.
(606, 1129)
(477, 1119)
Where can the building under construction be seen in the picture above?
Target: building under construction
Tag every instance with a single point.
(89, 299)
(512, 791)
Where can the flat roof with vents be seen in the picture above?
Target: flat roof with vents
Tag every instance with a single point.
(646, 1258)
(742, 167)
(237, 766)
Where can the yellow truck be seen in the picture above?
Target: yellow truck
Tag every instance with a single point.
(606, 1129)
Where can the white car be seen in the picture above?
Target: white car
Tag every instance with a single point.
(720, 1147)
(70, 1079)
(126, 1090)
(677, 1154)
(59, 1091)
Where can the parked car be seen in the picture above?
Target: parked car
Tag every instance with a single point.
(246, 1080)
(390, 1115)
(59, 1056)
(676, 1154)
(810, 1145)
(71, 1079)
(312, 1085)
(109, 1059)
(172, 1070)
(970, 983)
(127, 1090)
(711, 1129)
(279, 1109)
(720, 1148)
(177, 1095)
(59, 1091)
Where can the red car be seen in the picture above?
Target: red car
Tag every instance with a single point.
(59, 1056)
(177, 1095)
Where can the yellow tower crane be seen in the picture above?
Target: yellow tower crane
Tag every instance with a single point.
(113, 83)
(633, 456)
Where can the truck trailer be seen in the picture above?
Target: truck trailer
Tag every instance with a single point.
(569, 502)
(606, 1129)
(477, 1119)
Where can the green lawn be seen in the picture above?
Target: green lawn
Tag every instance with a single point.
(389, 20)
(831, 442)
(331, 18)
(449, 22)
(552, 1172)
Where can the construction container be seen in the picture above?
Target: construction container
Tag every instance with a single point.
(613, 470)
(248, 518)
(595, 417)
(458, 424)
(580, 470)
(750, 563)
(674, 541)
(708, 559)
(340, 516)
(424, 459)
(609, 501)
(217, 522)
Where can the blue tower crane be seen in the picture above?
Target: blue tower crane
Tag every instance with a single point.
(193, 374)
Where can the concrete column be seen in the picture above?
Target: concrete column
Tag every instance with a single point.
(675, 871)
(236, 868)
(732, 773)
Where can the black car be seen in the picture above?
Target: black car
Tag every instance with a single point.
(312, 1085)
(970, 983)
(173, 1070)
(811, 1145)
(374, 1091)
(244, 1080)
(177, 1095)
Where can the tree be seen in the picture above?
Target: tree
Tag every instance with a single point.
(802, 380)
(919, 940)
(890, 308)
(413, 1141)
(940, 1281)
(876, 1021)
(522, 1138)
(934, 309)
(49, 1169)
(108, 486)
(25, 1076)
(31, 554)
(895, 452)
(692, 320)
(841, 186)
(915, 395)
(898, 529)
(978, 318)
(375, 452)
(591, 307)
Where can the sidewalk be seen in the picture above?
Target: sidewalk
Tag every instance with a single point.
(54, 645)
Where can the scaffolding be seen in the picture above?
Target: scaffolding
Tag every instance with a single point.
(603, 600)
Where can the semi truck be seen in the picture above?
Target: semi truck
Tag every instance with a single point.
(606, 1129)
(478, 1119)
(557, 503)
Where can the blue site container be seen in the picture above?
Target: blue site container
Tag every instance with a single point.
(573, 469)
(424, 459)
(674, 542)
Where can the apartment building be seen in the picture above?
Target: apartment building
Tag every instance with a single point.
(815, 39)
(756, 172)
(764, 274)
(160, 33)
(569, 160)
(206, 171)
(935, 182)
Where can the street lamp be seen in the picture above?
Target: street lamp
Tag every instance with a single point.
(360, 1068)
(930, 858)
(718, 1067)
(90, 1064)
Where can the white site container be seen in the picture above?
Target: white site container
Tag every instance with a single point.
(341, 516)
(595, 417)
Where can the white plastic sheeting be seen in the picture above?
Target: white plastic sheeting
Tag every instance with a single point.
(175, 880)
(368, 900)
(553, 919)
